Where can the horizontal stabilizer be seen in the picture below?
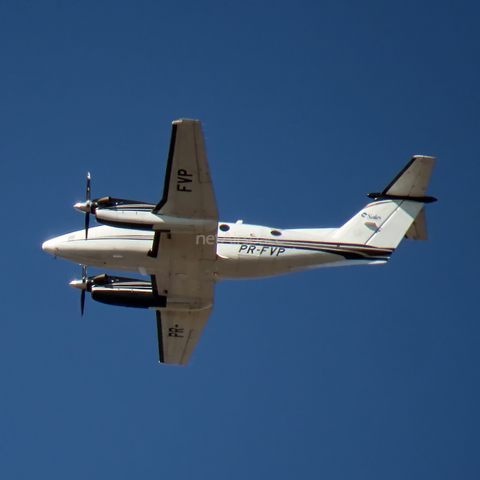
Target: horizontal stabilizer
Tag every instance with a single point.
(396, 212)
(411, 183)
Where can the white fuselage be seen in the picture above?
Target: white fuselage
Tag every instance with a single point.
(243, 251)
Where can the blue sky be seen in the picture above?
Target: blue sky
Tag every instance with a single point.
(367, 372)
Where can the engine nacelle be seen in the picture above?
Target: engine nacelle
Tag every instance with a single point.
(130, 292)
(126, 292)
(146, 220)
(122, 213)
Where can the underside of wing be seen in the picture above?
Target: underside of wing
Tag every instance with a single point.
(179, 333)
(184, 269)
(185, 277)
(188, 190)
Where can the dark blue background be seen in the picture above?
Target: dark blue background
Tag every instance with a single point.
(306, 106)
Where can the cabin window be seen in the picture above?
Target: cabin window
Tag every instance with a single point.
(276, 233)
(224, 227)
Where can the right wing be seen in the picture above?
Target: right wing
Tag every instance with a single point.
(184, 274)
(178, 334)
(188, 190)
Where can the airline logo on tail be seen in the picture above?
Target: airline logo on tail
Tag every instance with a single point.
(370, 216)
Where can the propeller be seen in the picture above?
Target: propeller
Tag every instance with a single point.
(87, 207)
(84, 281)
(89, 204)
(84, 285)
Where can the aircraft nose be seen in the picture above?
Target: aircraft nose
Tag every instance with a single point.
(50, 246)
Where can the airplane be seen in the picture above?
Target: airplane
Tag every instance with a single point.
(182, 246)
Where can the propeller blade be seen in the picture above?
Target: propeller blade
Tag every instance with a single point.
(88, 205)
(87, 224)
(84, 281)
(89, 177)
(82, 302)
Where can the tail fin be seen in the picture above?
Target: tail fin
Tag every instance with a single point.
(384, 222)
(418, 229)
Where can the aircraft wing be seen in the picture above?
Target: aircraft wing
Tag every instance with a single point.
(184, 274)
(184, 268)
(188, 190)
(179, 333)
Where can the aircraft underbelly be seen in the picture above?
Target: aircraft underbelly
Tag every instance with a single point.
(132, 255)
(112, 254)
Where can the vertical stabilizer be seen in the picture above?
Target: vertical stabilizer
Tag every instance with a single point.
(418, 229)
(384, 222)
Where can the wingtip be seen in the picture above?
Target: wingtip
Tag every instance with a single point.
(184, 120)
(426, 157)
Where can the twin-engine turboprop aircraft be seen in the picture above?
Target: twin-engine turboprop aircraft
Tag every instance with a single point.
(184, 249)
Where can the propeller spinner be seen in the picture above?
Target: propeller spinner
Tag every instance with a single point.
(87, 207)
(82, 285)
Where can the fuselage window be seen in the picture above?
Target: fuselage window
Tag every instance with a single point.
(276, 233)
(224, 228)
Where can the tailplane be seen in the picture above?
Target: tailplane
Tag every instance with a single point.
(395, 212)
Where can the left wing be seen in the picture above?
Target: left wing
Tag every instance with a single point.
(178, 334)
(188, 190)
